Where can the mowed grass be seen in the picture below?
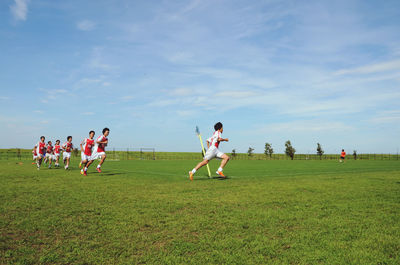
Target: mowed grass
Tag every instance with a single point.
(301, 212)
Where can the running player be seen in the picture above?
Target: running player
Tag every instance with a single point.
(57, 150)
(40, 151)
(49, 153)
(34, 154)
(86, 152)
(100, 148)
(342, 156)
(213, 151)
(67, 148)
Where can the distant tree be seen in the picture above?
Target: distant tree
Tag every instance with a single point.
(233, 154)
(250, 151)
(320, 151)
(290, 151)
(268, 150)
(355, 154)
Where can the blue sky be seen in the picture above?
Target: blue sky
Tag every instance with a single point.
(271, 71)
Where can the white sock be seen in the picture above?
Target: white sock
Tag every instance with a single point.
(220, 169)
(193, 170)
(98, 166)
(85, 168)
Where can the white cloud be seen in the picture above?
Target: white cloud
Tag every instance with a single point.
(86, 25)
(181, 91)
(127, 98)
(88, 113)
(236, 94)
(19, 9)
(372, 68)
(392, 116)
(305, 126)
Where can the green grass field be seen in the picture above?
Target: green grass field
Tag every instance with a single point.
(301, 212)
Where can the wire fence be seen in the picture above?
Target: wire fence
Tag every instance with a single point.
(151, 154)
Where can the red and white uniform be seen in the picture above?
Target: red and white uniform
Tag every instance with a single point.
(67, 147)
(40, 149)
(100, 149)
(213, 150)
(57, 149)
(49, 151)
(214, 139)
(34, 152)
(87, 145)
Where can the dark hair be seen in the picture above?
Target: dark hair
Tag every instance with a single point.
(218, 126)
(342, 150)
(69, 137)
(57, 140)
(92, 132)
(49, 142)
(105, 129)
(42, 137)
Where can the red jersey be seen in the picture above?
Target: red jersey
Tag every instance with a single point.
(40, 148)
(343, 154)
(87, 145)
(57, 148)
(49, 149)
(101, 147)
(35, 150)
(67, 146)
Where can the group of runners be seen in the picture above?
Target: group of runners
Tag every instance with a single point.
(91, 150)
(95, 149)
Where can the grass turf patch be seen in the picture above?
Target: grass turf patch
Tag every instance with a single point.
(149, 212)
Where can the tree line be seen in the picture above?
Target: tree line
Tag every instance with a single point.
(289, 150)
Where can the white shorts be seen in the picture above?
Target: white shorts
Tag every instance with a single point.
(50, 156)
(66, 155)
(96, 155)
(34, 157)
(212, 153)
(40, 156)
(85, 157)
(56, 155)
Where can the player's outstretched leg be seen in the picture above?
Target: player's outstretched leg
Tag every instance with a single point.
(225, 160)
(199, 165)
(83, 164)
(103, 158)
(38, 161)
(87, 166)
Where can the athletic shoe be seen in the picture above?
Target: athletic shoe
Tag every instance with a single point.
(220, 173)
(81, 171)
(190, 175)
(98, 170)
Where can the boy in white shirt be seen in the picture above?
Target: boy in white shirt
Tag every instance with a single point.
(213, 151)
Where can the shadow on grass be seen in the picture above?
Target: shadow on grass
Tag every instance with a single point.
(212, 178)
(110, 174)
